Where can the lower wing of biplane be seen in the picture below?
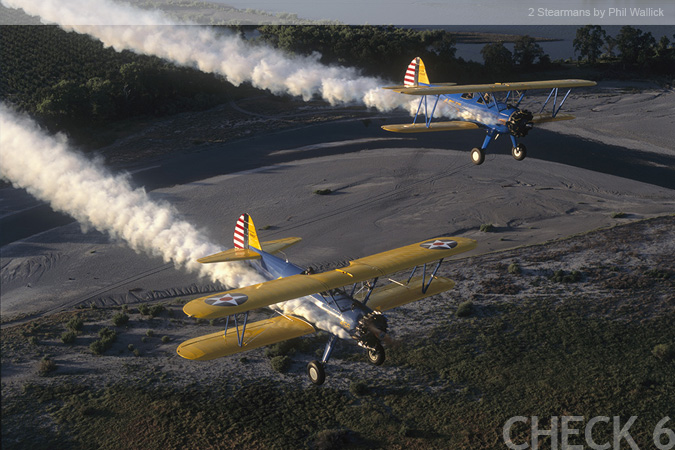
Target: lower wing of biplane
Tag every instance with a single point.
(350, 295)
(477, 106)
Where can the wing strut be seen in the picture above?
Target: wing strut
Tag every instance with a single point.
(425, 284)
(425, 287)
(427, 117)
(240, 336)
(554, 92)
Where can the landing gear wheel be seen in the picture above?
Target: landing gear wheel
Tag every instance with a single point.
(477, 156)
(519, 152)
(376, 356)
(316, 373)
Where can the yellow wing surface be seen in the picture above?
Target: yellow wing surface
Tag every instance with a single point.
(494, 87)
(434, 126)
(393, 295)
(257, 334)
(264, 294)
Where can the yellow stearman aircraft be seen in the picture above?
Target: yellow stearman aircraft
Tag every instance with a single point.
(476, 106)
(324, 298)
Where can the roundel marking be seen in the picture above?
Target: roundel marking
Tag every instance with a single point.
(226, 300)
(439, 244)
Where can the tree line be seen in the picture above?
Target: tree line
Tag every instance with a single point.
(67, 79)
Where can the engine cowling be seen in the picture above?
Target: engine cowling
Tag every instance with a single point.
(369, 329)
(520, 123)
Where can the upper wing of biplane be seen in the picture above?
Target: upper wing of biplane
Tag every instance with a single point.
(494, 87)
(264, 294)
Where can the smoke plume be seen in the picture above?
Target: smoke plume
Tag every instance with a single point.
(72, 184)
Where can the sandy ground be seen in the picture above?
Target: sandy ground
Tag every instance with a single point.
(382, 198)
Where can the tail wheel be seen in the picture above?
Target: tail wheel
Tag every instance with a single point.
(316, 373)
(376, 356)
(519, 152)
(477, 156)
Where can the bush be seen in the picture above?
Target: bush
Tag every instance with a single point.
(137, 352)
(130, 347)
(487, 228)
(665, 352)
(514, 268)
(33, 340)
(156, 310)
(46, 366)
(323, 191)
(97, 347)
(358, 388)
(560, 276)
(465, 309)
(281, 363)
(150, 333)
(75, 324)
(120, 319)
(165, 339)
(68, 337)
(144, 309)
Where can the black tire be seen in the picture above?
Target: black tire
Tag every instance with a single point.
(519, 152)
(376, 356)
(316, 373)
(477, 156)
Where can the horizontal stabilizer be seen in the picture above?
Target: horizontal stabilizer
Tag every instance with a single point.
(240, 254)
(434, 126)
(394, 294)
(279, 244)
(257, 334)
(543, 118)
(233, 254)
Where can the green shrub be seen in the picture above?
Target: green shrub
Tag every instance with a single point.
(165, 339)
(323, 191)
(156, 310)
(487, 228)
(150, 333)
(144, 309)
(97, 347)
(144, 339)
(560, 276)
(130, 347)
(33, 340)
(137, 352)
(68, 337)
(665, 352)
(465, 309)
(46, 366)
(281, 363)
(120, 319)
(514, 268)
(75, 324)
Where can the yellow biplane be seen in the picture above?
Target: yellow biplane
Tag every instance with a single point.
(476, 106)
(347, 302)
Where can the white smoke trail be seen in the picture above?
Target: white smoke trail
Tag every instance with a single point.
(151, 33)
(228, 55)
(48, 170)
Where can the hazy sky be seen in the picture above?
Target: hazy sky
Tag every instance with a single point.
(479, 12)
